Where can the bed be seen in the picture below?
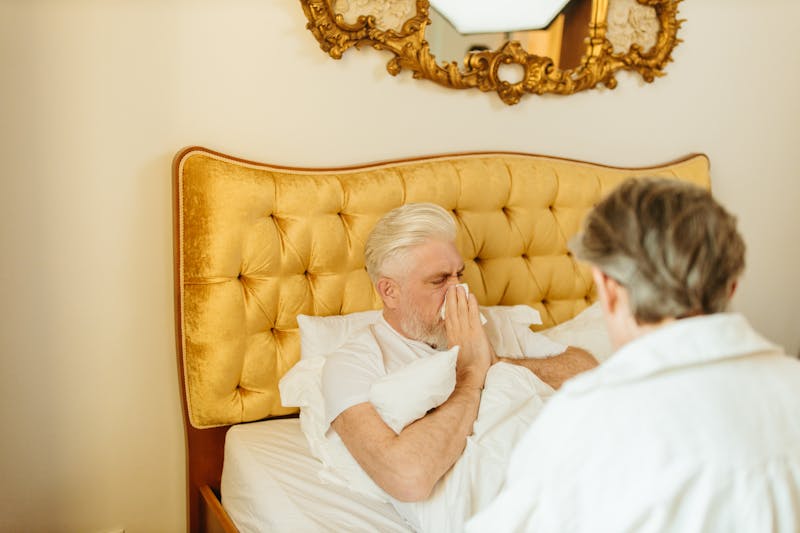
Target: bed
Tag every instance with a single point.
(256, 245)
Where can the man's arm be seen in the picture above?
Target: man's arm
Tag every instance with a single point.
(557, 369)
(408, 465)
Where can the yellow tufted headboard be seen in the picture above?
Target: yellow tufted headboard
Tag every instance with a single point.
(258, 244)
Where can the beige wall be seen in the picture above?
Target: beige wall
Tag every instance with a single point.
(97, 96)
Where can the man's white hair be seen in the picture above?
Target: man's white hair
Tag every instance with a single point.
(401, 229)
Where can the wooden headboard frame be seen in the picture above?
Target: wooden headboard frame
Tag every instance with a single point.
(497, 198)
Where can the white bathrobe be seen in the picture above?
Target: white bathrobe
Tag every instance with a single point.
(694, 427)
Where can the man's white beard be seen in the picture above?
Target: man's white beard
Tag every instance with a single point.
(433, 335)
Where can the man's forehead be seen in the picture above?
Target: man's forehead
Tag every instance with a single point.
(436, 258)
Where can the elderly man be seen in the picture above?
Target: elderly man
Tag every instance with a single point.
(413, 261)
(693, 425)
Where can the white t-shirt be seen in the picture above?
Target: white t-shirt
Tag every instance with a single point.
(370, 354)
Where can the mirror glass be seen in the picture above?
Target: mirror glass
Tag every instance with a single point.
(563, 39)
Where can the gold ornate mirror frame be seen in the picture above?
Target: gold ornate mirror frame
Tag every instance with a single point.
(482, 69)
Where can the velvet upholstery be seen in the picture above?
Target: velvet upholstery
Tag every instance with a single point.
(257, 244)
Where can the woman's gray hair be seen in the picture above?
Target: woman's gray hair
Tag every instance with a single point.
(403, 228)
(669, 243)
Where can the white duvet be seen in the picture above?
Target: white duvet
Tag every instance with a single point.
(511, 399)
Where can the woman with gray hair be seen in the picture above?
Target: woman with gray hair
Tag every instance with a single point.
(693, 425)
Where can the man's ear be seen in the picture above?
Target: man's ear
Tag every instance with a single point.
(389, 291)
(607, 290)
(732, 290)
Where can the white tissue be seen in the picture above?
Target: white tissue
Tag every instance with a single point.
(466, 292)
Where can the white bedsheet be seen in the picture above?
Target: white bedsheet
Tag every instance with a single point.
(270, 482)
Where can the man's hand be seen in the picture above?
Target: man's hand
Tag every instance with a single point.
(463, 325)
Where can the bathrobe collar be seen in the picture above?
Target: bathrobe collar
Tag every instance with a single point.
(686, 342)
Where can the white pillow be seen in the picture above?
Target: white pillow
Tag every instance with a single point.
(586, 330)
(301, 387)
(322, 335)
(509, 332)
(407, 394)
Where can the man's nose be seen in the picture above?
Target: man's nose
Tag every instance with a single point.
(453, 280)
